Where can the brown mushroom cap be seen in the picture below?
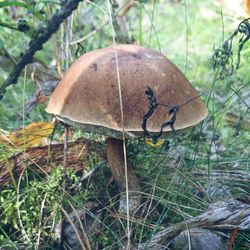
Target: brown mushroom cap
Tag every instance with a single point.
(88, 96)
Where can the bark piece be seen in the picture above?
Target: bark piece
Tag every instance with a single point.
(43, 158)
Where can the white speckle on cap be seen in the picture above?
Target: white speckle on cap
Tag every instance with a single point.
(154, 57)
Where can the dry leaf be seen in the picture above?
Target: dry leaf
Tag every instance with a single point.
(247, 3)
(30, 136)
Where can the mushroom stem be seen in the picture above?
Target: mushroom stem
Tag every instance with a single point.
(115, 157)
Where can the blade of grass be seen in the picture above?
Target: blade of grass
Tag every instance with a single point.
(140, 23)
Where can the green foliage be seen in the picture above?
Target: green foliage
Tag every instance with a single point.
(12, 3)
(22, 212)
(33, 208)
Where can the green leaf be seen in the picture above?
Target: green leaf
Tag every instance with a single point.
(12, 3)
(7, 25)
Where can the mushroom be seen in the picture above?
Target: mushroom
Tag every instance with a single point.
(88, 97)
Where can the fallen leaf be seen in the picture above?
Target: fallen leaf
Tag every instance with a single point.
(30, 136)
(247, 3)
(157, 144)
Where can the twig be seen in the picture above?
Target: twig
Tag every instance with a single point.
(65, 150)
(152, 106)
(232, 238)
(41, 36)
(222, 216)
(75, 230)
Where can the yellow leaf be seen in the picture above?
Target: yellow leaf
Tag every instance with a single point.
(247, 3)
(3, 136)
(157, 144)
(30, 136)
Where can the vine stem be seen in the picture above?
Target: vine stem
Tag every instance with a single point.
(41, 36)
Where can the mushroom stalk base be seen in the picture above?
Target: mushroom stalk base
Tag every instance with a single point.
(115, 157)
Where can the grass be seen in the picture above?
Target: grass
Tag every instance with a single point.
(168, 174)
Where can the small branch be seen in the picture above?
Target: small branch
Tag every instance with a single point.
(222, 216)
(41, 37)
